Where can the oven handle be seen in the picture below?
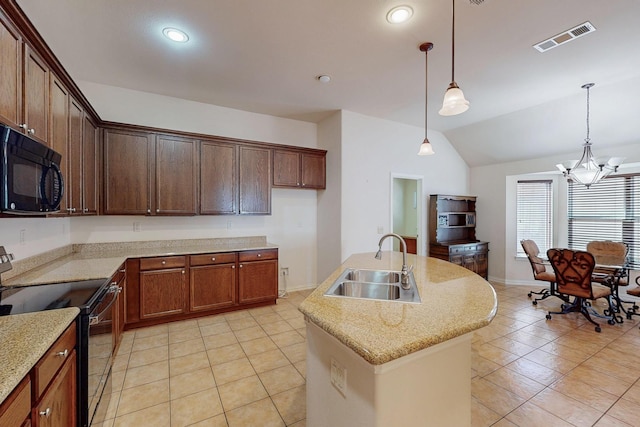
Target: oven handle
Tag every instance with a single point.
(96, 318)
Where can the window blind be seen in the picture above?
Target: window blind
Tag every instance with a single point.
(608, 210)
(534, 214)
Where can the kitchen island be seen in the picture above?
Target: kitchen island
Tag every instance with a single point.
(381, 363)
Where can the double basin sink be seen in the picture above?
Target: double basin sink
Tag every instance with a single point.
(374, 284)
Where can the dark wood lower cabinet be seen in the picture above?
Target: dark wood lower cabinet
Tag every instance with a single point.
(57, 407)
(161, 289)
(473, 256)
(162, 292)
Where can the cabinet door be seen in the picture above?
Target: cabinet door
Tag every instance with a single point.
(313, 171)
(59, 129)
(218, 179)
(176, 176)
(162, 292)
(58, 405)
(17, 406)
(74, 176)
(286, 169)
(212, 286)
(127, 165)
(89, 167)
(258, 281)
(36, 95)
(255, 180)
(11, 72)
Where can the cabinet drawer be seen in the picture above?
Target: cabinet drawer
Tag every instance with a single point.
(162, 262)
(49, 364)
(258, 255)
(212, 259)
(15, 409)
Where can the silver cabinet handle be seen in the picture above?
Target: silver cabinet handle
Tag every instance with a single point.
(158, 210)
(183, 271)
(163, 262)
(148, 210)
(233, 267)
(45, 413)
(72, 210)
(240, 265)
(23, 126)
(259, 255)
(31, 131)
(213, 258)
(63, 354)
(85, 210)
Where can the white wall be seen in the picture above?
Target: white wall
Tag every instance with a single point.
(372, 149)
(495, 188)
(25, 237)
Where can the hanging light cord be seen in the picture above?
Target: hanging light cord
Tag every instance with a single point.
(587, 139)
(453, 40)
(426, 87)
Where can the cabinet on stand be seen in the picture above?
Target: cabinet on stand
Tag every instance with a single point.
(452, 233)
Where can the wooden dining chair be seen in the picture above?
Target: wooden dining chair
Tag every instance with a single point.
(574, 271)
(540, 273)
(611, 268)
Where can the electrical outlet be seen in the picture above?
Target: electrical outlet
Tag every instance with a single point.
(380, 229)
(23, 234)
(136, 226)
(339, 377)
(284, 271)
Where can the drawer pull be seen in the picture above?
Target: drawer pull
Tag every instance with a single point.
(233, 267)
(163, 262)
(259, 255)
(240, 265)
(45, 413)
(64, 353)
(213, 258)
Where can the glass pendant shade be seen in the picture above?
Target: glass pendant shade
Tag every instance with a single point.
(425, 148)
(454, 102)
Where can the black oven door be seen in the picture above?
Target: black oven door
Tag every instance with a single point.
(100, 354)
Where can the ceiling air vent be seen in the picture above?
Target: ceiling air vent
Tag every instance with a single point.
(565, 37)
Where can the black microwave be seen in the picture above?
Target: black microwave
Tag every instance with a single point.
(30, 178)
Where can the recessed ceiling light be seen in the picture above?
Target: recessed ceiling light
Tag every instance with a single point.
(175, 35)
(399, 14)
(323, 78)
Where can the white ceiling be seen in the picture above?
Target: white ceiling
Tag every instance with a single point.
(264, 56)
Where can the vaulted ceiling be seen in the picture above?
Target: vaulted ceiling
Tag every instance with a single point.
(264, 56)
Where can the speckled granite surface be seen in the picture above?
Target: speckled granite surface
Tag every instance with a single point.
(24, 339)
(455, 301)
(100, 260)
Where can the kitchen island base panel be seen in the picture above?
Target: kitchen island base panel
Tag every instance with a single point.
(428, 387)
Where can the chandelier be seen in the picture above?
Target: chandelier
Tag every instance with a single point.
(589, 169)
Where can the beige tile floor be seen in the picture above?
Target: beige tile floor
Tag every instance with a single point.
(247, 368)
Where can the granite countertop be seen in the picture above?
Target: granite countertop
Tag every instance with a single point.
(455, 301)
(101, 260)
(25, 339)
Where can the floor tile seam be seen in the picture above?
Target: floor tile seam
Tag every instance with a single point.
(524, 397)
(540, 407)
(172, 399)
(140, 409)
(533, 379)
(599, 388)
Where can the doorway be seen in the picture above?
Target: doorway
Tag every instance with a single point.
(407, 211)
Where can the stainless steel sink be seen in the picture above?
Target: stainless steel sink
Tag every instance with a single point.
(373, 284)
(373, 276)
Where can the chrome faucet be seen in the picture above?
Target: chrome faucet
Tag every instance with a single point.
(404, 273)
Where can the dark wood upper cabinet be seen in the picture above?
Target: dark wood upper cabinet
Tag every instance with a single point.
(36, 95)
(73, 181)
(90, 158)
(255, 180)
(299, 169)
(10, 73)
(59, 133)
(176, 173)
(127, 163)
(218, 178)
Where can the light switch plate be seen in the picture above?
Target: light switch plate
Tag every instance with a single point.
(339, 377)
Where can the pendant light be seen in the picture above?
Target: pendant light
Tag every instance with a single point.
(589, 169)
(425, 148)
(454, 102)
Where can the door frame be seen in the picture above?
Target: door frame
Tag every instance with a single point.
(420, 207)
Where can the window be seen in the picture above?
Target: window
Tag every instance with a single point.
(534, 214)
(608, 210)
